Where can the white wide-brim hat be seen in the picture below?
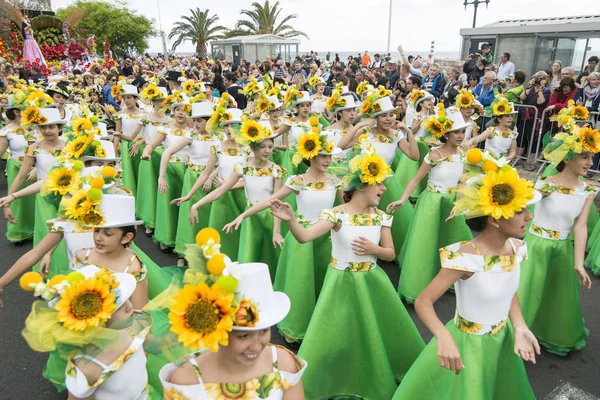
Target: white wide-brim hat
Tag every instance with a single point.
(127, 283)
(513, 112)
(350, 104)
(386, 106)
(130, 90)
(109, 149)
(304, 99)
(275, 103)
(202, 110)
(255, 285)
(266, 124)
(236, 117)
(53, 117)
(164, 91)
(428, 96)
(118, 211)
(458, 122)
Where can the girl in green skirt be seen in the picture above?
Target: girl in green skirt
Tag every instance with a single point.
(261, 235)
(429, 230)
(301, 268)
(344, 114)
(360, 335)
(476, 355)
(549, 286)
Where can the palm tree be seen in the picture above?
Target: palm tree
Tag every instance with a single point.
(263, 20)
(198, 29)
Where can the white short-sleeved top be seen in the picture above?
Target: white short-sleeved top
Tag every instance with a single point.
(445, 173)
(354, 226)
(555, 214)
(313, 197)
(44, 160)
(483, 300)
(227, 158)
(129, 122)
(499, 143)
(297, 128)
(76, 236)
(267, 387)
(173, 136)
(150, 128)
(18, 139)
(200, 149)
(385, 145)
(259, 183)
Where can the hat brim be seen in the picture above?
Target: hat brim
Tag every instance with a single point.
(337, 110)
(426, 97)
(62, 93)
(230, 122)
(274, 312)
(335, 152)
(116, 224)
(90, 158)
(384, 111)
(130, 94)
(58, 122)
(127, 286)
(537, 196)
(201, 116)
(302, 101)
(458, 127)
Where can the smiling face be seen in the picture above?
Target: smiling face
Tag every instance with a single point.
(581, 164)
(320, 163)
(506, 120)
(516, 226)
(107, 240)
(455, 138)
(263, 150)
(179, 114)
(386, 120)
(49, 132)
(245, 347)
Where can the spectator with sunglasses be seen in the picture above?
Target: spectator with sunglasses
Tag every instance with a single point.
(111, 80)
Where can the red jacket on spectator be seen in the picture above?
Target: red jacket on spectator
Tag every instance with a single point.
(560, 100)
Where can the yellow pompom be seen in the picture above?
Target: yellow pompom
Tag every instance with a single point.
(97, 183)
(56, 280)
(29, 280)
(207, 234)
(216, 264)
(489, 166)
(313, 121)
(474, 156)
(440, 106)
(109, 172)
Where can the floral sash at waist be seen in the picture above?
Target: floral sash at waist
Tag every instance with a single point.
(175, 159)
(479, 329)
(432, 187)
(548, 233)
(196, 167)
(353, 266)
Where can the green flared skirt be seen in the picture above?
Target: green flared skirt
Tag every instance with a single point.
(492, 371)
(361, 340)
(402, 216)
(186, 232)
(22, 208)
(167, 214)
(256, 241)
(549, 295)
(593, 216)
(592, 261)
(147, 188)
(408, 168)
(60, 259)
(300, 274)
(429, 231)
(130, 166)
(224, 211)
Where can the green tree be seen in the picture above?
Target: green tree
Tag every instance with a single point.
(262, 19)
(198, 29)
(126, 31)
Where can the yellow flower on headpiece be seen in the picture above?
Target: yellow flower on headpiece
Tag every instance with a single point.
(503, 193)
(464, 99)
(590, 139)
(580, 113)
(76, 147)
(361, 87)
(251, 131)
(309, 145)
(61, 180)
(93, 217)
(78, 205)
(374, 169)
(263, 105)
(247, 314)
(188, 87)
(29, 116)
(365, 107)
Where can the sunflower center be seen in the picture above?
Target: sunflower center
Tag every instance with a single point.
(92, 218)
(64, 180)
(373, 169)
(233, 390)
(202, 316)
(502, 194)
(309, 145)
(252, 132)
(589, 140)
(86, 305)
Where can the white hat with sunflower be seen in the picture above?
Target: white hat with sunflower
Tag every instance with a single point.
(104, 152)
(254, 132)
(51, 116)
(366, 167)
(569, 144)
(202, 110)
(314, 143)
(501, 106)
(117, 211)
(237, 117)
(130, 90)
(417, 96)
(464, 99)
(570, 115)
(274, 102)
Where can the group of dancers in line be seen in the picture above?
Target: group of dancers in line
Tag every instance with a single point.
(281, 211)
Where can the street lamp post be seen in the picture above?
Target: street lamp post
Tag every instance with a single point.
(162, 33)
(475, 5)
(389, 28)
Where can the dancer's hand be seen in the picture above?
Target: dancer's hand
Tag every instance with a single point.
(162, 185)
(526, 345)
(45, 265)
(281, 210)
(217, 182)
(180, 200)
(584, 278)
(277, 240)
(207, 186)
(363, 246)
(135, 149)
(235, 224)
(468, 144)
(10, 217)
(32, 175)
(448, 353)
(5, 201)
(146, 154)
(193, 218)
(394, 205)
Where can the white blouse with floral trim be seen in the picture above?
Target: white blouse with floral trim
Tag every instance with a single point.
(18, 139)
(385, 145)
(353, 226)
(313, 197)
(445, 173)
(498, 143)
(150, 128)
(200, 149)
(75, 235)
(173, 136)
(227, 158)
(44, 160)
(259, 183)
(297, 128)
(271, 386)
(555, 214)
(129, 122)
(483, 301)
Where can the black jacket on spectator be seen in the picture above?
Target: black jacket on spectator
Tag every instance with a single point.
(394, 76)
(236, 92)
(580, 95)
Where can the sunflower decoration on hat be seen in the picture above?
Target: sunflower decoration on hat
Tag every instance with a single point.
(314, 81)
(570, 115)
(464, 99)
(152, 92)
(252, 132)
(570, 144)
(35, 97)
(335, 101)
(220, 114)
(294, 96)
(252, 88)
(117, 90)
(477, 162)
(263, 105)
(365, 167)
(72, 310)
(501, 106)
(171, 101)
(416, 95)
(277, 89)
(436, 125)
(312, 144)
(362, 87)
(31, 116)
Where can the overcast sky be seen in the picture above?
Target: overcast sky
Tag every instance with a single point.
(358, 25)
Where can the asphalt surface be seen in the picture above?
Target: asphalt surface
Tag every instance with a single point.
(574, 377)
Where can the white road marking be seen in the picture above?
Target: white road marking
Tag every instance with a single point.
(567, 391)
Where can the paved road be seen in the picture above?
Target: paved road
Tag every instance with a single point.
(573, 377)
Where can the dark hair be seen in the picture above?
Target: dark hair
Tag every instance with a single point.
(506, 55)
(256, 145)
(348, 195)
(593, 58)
(10, 114)
(129, 229)
(383, 81)
(566, 81)
(560, 166)
(230, 76)
(474, 76)
(477, 224)
(520, 76)
(415, 80)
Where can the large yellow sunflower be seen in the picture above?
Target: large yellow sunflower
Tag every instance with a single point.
(202, 316)
(93, 217)
(61, 180)
(188, 87)
(151, 92)
(86, 304)
(82, 124)
(580, 113)
(263, 105)
(78, 205)
(365, 107)
(116, 91)
(251, 131)
(361, 87)
(464, 99)
(503, 193)
(29, 116)
(590, 139)
(374, 169)
(76, 147)
(501, 108)
(434, 127)
(309, 145)
(416, 95)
